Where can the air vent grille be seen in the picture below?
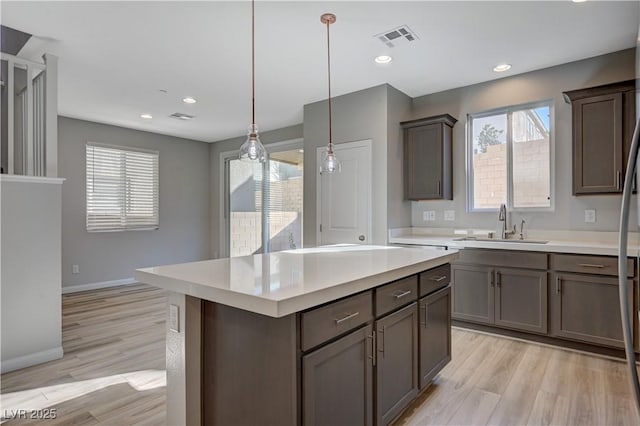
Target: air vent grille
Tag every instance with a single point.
(181, 116)
(393, 37)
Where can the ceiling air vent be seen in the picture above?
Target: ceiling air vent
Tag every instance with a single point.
(181, 116)
(402, 34)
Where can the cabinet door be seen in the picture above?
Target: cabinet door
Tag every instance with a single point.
(521, 299)
(338, 381)
(423, 162)
(587, 308)
(473, 293)
(396, 363)
(597, 144)
(435, 334)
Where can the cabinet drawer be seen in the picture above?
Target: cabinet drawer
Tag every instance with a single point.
(396, 294)
(326, 322)
(434, 279)
(506, 258)
(597, 265)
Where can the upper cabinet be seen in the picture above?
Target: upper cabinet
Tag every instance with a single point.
(428, 167)
(603, 121)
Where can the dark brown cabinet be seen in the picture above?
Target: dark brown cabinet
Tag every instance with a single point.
(434, 334)
(603, 120)
(338, 381)
(473, 293)
(397, 363)
(521, 299)
(587, 308)
(428, 166)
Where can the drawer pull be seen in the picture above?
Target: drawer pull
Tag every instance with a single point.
(590, 265)
(348, 317)
(438, 279)
(401, 294)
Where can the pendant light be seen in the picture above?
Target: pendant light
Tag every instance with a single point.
(330, 163)
(252, 149)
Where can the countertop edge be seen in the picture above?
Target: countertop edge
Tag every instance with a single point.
(282, 308)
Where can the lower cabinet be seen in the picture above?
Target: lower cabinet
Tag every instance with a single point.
(434, 334)
(397, 363)
(473, 293)
(506, 297)
(521, 299)
(587, 308)
(338, 382)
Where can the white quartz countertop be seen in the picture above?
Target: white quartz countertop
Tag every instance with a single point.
(281, 283)
(588, 245)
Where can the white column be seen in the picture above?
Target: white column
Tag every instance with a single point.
(51, 114)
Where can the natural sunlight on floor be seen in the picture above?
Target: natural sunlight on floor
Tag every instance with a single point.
(51, 396)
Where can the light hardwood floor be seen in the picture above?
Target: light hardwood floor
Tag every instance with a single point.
(113, 373)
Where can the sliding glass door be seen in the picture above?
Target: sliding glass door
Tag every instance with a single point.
(264, 203)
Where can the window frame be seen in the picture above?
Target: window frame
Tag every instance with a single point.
(156, 189)
(469, 171)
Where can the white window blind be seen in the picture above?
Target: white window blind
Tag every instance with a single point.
(122, 188)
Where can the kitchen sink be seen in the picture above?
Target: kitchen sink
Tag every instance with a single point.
(499, 240)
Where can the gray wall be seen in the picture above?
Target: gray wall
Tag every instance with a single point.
(398, 110)
(539, 85)
(356, 116)
(216, 176)
(185, 192)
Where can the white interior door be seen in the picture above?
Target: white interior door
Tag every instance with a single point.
(344, 198)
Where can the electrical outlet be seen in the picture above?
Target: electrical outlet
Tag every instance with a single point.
(75, 269)
(590, 216)
(450, 215)
(432, 215)
(174, 318)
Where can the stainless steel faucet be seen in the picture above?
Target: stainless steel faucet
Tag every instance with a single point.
(502, 217)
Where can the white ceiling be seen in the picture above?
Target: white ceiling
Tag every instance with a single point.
(115, 56)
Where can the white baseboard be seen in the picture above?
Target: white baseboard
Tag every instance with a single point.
(95, 286)
(31, 359)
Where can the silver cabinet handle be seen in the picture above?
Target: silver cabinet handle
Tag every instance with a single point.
(438, 279)
(424, 307)
(498, 278)
(558, 285)
(348, 317)
(439, 189)
(590, 265)
(401, 294)
(381, 340)
(372, 357)
(618, 180)
(492, 278)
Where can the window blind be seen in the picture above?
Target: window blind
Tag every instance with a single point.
(122, 188)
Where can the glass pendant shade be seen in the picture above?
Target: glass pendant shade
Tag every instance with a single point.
(252, 149)
(330, 163)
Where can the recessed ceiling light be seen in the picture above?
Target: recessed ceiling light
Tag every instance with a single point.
(502, 67)
(383, 59)
(189, 100)
(578, 1)
(147, 116)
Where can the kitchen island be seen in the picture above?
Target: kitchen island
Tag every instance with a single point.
(297, 337)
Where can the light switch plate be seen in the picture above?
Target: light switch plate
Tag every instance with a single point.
(425, 215)
(590, 215)
(174, 318)
(449, 215)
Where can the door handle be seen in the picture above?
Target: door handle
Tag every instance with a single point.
(372, 357)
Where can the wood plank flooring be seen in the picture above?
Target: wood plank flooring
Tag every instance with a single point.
(113, 374)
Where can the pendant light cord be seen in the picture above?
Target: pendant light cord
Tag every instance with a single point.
(329, 72)
(253, 65)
